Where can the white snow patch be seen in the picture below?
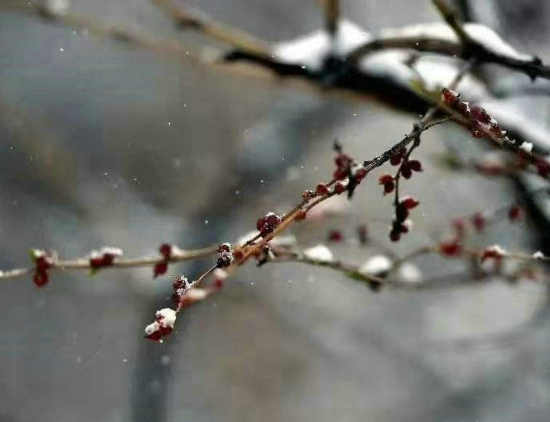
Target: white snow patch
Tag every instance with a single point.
(57, 7)
(311, 50)
(497, 249)
(196, 294)
(152, 328)
(440, 30)
(220, 274)
(106, 250)
(166, 317)
(319, 253)
(284, 241)
(527, 147)
(409, 273)
(376, 265)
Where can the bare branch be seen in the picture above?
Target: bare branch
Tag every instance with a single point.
(237, 38)
(332, 15)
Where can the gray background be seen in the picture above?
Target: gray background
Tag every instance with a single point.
(88, 157)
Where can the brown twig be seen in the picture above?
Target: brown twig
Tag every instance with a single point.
(186, 18)
(332, 15)
(148, 261)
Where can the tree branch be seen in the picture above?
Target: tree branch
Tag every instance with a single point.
(186, 18)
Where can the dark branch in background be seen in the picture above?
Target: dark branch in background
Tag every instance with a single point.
(465, 8)
(473, 49)
(467, 47)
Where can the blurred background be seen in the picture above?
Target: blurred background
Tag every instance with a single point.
(102, 143)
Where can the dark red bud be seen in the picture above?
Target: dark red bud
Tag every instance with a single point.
(409, 202)
(300, 215)
(335, 236)
(406, 171)
(480, 114)
(321, 189)
(165, 250)
(452, 248)
(478, 221)
(360, 174)
(339, 188)
(415, 165)
(514, 213)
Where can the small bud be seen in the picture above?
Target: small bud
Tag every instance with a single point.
(406, 171)
(415, 165)
(160, 268)
(514, 213)
(360, 174)
(450, 248)
(480, 114)
(43, 261)
(339, 188)
(449, 97)
(409, 202)
(165, 250)
(300, 215)
(268, 223)
(335, 236)
(387, 181)
(395, 235)
(225, 255)
(163, 325)
(105, 257)
(478, 220)
(543, 167)
(460, 227)
(362, 234)
(321, 189)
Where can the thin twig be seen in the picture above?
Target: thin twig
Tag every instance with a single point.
(186, 18)
(332, 15)
(148, 261)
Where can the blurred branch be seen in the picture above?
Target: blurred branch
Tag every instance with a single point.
(467, 47)
(332, 15)
(115, 32)
(450, 16)
(533, 68)
(186, 18)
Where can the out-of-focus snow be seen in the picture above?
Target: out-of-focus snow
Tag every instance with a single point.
(440, 30)
(311, 50)
(319, 253)
(376, 265)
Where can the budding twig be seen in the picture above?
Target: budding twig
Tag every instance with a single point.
(84, 263)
